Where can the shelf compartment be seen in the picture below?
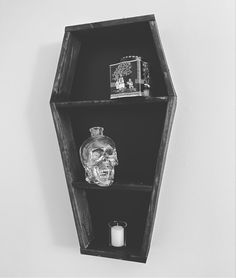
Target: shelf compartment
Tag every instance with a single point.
(87, 54)
(106, 46)
(136, 131)
(114, 186)
(108, 205)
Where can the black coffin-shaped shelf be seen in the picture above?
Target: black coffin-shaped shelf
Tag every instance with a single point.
(140, 127)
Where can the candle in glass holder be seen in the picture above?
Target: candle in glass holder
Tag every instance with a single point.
(117, 236)
(117, 233)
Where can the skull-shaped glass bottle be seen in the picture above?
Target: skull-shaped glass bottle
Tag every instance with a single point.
(99, 157)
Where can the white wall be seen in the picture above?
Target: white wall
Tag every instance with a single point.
(194, 231)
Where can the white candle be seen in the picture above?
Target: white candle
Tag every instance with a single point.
(117, 236)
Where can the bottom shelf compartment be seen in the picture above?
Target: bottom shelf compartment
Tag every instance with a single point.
(129, 206)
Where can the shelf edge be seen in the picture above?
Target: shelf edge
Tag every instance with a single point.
(115, 186)
(130, 101)
(112, 255)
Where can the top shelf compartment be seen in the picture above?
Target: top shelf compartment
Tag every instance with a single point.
(88, 50)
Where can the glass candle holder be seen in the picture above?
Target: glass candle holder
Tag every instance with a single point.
(117, 233)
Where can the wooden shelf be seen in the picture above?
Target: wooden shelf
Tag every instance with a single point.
(124, 101)
(139, 126)
(114, 186)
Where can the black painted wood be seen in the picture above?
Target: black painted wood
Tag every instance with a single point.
(159, 173)
(139, 126)
(115, 186)
(70, 161)
(162, 58)
(112, 102)
(129, 254)
(110, 23)
(66, 68)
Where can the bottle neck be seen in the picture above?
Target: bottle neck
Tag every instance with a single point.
(96, 131)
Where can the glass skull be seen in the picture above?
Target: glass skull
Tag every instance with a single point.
(99, 157)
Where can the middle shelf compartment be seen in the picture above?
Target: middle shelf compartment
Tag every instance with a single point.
(136, 130)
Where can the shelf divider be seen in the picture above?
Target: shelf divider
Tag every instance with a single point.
(114, 186)
(124, 101)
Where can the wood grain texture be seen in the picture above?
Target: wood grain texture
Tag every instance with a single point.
(66, 68)
(162, 58)
(158, 174)
(125, 101)
(70, 162)
(110, 23)
(57, 80)
(114, 253)
(114, 186)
